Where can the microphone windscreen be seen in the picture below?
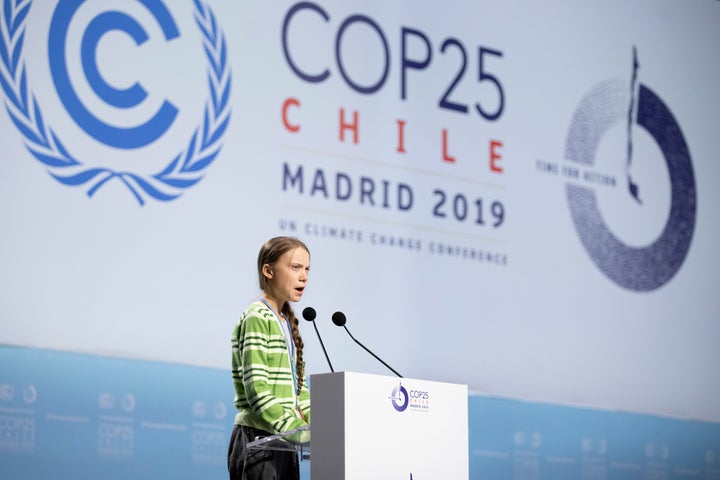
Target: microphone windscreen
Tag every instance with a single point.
(338, 319)
(309, 314)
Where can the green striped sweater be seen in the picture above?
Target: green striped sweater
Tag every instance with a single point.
(263, 376)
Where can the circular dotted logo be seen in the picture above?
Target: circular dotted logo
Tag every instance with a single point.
(650, 266)
(400, 398)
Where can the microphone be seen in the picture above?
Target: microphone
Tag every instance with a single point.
(339, 319)
(309, 314)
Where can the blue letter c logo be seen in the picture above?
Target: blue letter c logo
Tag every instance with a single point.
(127, 138)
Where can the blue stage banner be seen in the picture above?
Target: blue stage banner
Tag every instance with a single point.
(511, 439)
(76, 416)
(83, 417)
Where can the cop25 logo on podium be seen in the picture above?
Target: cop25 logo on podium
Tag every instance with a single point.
(184, 167)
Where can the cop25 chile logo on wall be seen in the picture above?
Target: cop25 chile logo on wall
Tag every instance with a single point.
(644, 267)
(181, 171)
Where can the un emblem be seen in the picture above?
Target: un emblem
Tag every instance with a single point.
(182, 168)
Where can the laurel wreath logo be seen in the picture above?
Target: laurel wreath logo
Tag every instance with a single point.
(182, 172)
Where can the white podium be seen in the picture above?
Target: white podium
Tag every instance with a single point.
(372, 426)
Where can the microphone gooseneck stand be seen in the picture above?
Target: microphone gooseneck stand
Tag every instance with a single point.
(339, 319)
(309, 314)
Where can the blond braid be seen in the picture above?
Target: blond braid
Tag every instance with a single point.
(297, 340)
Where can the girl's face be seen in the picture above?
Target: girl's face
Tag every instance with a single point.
(288, 276)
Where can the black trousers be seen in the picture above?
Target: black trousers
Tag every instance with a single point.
(258, 464)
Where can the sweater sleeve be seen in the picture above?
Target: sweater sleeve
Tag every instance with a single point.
(267, 381)
(304, 400)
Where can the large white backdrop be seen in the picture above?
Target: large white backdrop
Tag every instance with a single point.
(422, 153)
